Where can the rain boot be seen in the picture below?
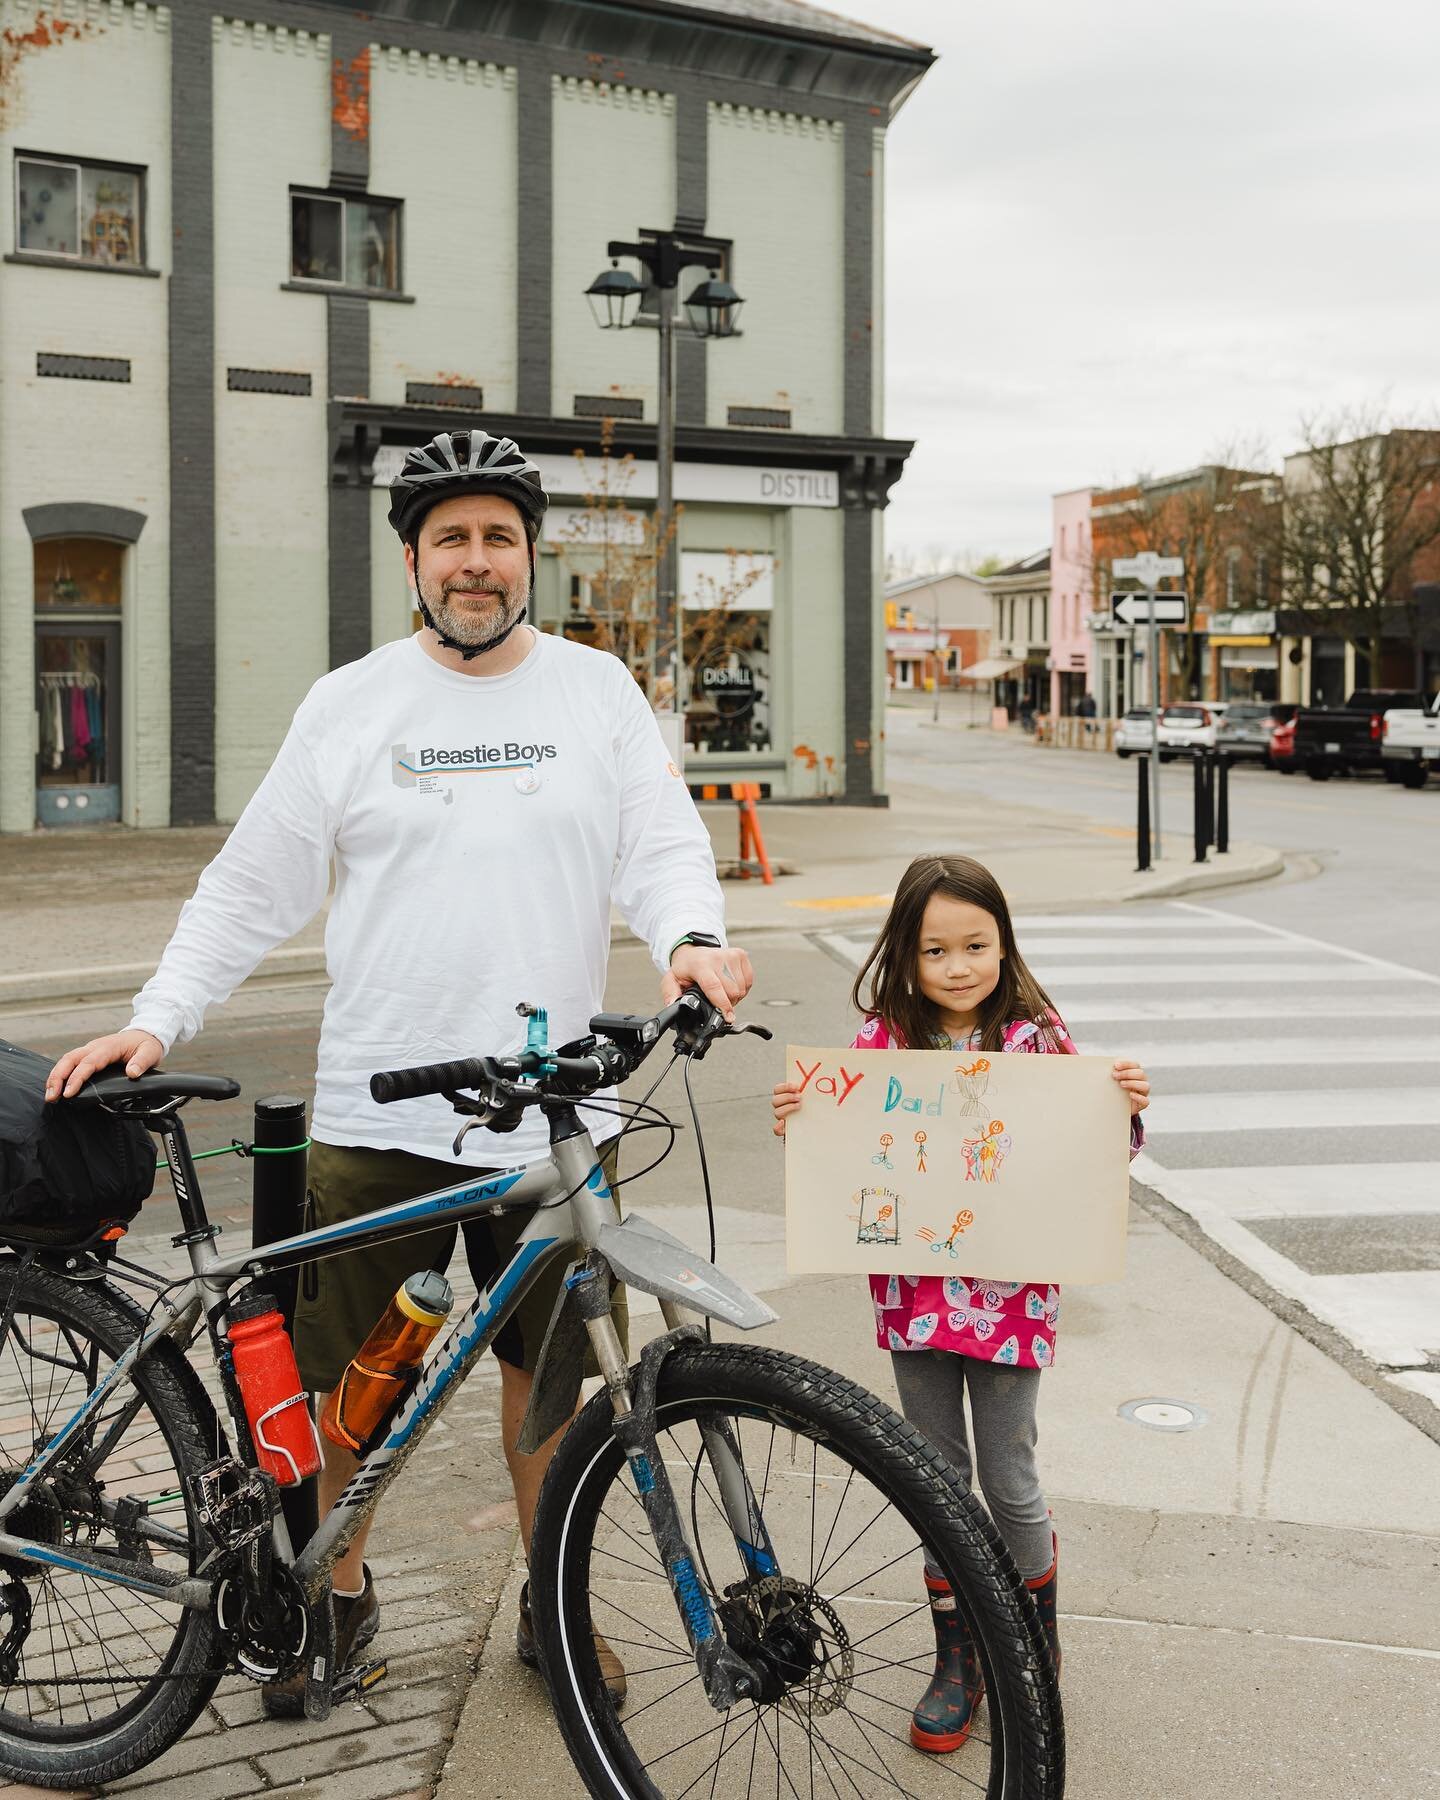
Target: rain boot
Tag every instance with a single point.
(942, 1720)
(1042, 1591)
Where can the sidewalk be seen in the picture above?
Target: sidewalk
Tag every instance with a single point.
(1243, 1610)
(88, 913)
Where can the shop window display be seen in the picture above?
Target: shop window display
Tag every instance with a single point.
(77, 658)
(84, 210)
(77, 574)
(728, 599)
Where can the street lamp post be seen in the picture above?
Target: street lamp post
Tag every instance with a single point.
(711, 310)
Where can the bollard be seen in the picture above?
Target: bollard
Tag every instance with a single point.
(1202, 795)
(1222, 807)
(1142, 814)
(278, 1212)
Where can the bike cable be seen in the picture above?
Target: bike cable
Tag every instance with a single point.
(705, 1180)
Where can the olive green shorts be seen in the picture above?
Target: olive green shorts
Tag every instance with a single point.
(341, 1297)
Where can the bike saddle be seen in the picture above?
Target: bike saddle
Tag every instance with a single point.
(158, 1088)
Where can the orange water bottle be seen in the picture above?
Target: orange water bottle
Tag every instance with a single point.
(380, 1370)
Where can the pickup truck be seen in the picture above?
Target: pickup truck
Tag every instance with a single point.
(1410, 742)
(1336, 740)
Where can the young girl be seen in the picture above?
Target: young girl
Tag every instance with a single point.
(945, 974)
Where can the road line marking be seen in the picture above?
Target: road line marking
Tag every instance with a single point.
(1325, 1190)
(1210, 975)
(1300, 1052)
(1150, 946)
(1294, 1109)
(1179, 1187)
(1299, 937)
(1284, 1637)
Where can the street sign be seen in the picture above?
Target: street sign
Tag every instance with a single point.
(1147, 567)
(1146, 609)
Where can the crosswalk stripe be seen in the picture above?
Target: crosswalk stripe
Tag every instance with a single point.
(1062, 975)
(1190, 908)
(1394, 1318)
(1077, 945)
(1300, 1109)
(1300, 1052)
(1127, 923)
(1324, 1190)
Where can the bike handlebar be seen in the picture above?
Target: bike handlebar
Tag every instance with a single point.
(692, 1017)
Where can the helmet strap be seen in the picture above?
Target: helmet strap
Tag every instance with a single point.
(468, 652)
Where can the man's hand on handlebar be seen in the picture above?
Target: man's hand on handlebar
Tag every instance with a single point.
(724, 977)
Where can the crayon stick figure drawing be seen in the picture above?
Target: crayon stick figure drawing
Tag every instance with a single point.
(970, 1082)
(984, 1155)
(883, 1159)
(879, 1216)
(920, 1151)
(963, 1218)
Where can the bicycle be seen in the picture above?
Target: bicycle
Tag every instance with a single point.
(746, 1527)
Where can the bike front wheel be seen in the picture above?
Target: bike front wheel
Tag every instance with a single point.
(854, 1501)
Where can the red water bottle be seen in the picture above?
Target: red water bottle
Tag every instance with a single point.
(276, 1403)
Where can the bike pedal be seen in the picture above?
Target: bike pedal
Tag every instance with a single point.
(355, 1682)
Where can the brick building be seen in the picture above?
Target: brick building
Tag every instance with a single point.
(251, 257)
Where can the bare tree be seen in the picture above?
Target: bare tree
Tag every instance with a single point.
(1360, 526)
(612, 551)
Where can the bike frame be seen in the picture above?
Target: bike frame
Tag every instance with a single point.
(573, 1206)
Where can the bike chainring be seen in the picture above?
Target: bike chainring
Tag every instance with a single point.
(269, 1632)
(795, 1640)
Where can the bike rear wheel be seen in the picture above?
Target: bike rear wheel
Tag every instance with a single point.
(852, 1498)
(105, 1678)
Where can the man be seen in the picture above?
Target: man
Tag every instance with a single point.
(484, 792)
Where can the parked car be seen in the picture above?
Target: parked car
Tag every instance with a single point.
(1245, 728)
(1410, 743)
(1282, 745)
(1133, 732)
(1186, 729)
(1337, 740)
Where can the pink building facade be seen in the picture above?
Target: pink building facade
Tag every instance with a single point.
(1071, 642)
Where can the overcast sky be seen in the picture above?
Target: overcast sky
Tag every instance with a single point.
(1122, 236)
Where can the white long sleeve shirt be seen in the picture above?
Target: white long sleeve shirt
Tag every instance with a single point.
(480, 828)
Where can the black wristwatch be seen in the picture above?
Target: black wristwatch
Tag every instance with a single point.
(702, 940)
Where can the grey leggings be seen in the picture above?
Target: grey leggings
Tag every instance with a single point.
(932, 1386)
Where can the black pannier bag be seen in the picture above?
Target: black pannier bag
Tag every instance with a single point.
(67, 1173)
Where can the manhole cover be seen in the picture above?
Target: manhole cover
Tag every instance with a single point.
(779, 1002)
(1164, 1415)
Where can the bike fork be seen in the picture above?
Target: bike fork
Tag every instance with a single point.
(727, 1677)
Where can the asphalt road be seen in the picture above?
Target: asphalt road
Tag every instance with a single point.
(1365, 855)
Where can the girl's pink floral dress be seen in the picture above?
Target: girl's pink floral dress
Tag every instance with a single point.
(997, 1321)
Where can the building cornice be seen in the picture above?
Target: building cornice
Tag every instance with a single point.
(868, 467)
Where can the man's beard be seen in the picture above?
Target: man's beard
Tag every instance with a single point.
(476, 629)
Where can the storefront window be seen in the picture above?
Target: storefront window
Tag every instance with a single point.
(728, 602)
(76, 748)
(85, 210)
(353, 242)
(77, 574)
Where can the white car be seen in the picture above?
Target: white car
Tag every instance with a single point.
(1186, 729)
(1133, 732)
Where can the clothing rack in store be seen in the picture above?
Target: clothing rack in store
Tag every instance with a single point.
(70, 678)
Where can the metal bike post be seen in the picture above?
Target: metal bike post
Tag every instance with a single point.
(1155, 726)
(1142, 816)
(1202, 834)
(1222, 808)
(278, 1212)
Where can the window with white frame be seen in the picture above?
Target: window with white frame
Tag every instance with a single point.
(348, 240)
(87, 211)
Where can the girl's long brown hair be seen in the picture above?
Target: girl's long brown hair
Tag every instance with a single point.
(888, 984)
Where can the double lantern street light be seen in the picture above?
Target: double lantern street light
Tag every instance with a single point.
(712, 310)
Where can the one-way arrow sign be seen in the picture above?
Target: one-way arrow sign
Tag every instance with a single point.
(1145, 609)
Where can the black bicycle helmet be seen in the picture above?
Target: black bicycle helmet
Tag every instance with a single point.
(465, 462)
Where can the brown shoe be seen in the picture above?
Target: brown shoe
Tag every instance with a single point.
(357, 1619)
(612, 1670)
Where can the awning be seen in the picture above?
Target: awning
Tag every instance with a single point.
(991, 669)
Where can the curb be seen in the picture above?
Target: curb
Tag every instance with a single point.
(108, 982)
